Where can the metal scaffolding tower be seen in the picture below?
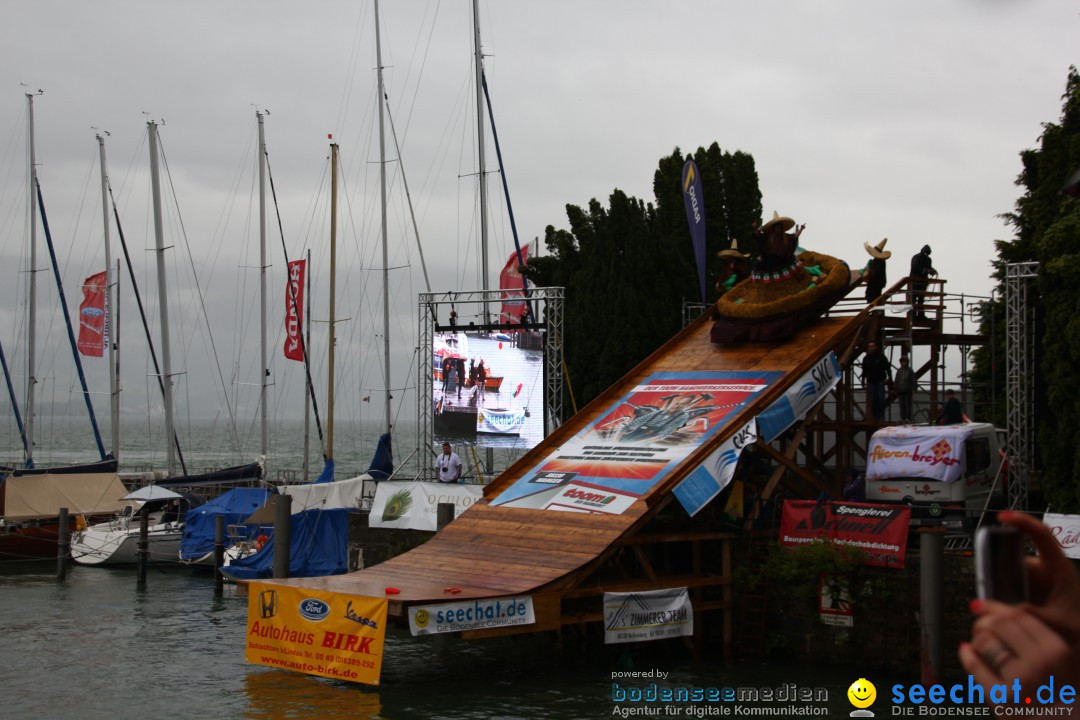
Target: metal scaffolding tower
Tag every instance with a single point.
(546, 304)
(1018, 394)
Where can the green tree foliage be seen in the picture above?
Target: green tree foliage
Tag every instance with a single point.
(628, 267)
(1047, 226)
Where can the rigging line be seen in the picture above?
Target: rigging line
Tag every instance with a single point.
(145, 324)
(292, 301)
(423, 65)
(202, 304)
(67, 318)
(350, 79)
(14, 401)
(405, 184)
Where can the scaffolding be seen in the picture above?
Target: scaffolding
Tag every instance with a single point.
(1018, 395)
(546, 304)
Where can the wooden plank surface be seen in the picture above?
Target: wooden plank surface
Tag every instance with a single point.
(498, 551)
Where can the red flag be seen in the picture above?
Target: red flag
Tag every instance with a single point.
(294, 311)
(92, 337)
(511, 282)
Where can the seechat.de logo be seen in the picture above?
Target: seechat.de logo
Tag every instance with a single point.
(314, 609)
(862, 694)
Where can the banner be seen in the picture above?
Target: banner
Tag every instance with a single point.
(1066, 528)
(642, 437)
(647, 615)
(315, 632)
(804, 394)
(695, 217)
(711, 477)
(294, 312)
(414, 505)
(471, 615)
(880, 531)
(512, 285)
(93, 335)
(934, 452)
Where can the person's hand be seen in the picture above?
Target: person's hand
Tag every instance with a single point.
(1009, 642)
(1052, 578)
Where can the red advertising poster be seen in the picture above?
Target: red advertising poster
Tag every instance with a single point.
(511, 283)
(92, 337)
(880, 531)
(294, 310)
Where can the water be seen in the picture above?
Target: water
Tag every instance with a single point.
(94, 646)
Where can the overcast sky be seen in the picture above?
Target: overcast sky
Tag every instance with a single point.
(866, 120)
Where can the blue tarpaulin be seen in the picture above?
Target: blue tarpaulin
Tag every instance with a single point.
(235, 505)
(382, 464)
(319, 546)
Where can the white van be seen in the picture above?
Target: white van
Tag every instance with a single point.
(937, 469)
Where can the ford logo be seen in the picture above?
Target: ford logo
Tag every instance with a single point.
(92, 312)
(314, 609)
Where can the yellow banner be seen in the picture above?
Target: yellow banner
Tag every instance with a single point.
(318, 633)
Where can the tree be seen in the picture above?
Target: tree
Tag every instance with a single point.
(628, 267)
(1047, 226)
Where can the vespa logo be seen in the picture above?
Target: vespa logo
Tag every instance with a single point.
(268, 604)
(313, 609)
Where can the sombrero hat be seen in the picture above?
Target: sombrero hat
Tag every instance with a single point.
(878, 250)
(785, 222)
(733, 252)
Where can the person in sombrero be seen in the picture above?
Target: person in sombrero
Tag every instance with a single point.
(787, 287)
(874, 277)
(735, 268)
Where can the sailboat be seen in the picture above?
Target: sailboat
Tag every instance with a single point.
(113, 541)
(32, 498)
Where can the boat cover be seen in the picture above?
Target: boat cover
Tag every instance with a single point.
(41, 496)
(319, 547)
(341, 494)
(382, 464)
(199, 524)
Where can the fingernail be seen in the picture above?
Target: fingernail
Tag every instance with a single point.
(975, 605)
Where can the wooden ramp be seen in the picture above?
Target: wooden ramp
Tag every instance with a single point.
(493, 551)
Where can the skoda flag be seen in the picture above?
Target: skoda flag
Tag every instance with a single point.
(695, 217)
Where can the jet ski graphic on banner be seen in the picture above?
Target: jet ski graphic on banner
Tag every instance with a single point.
(643, 436)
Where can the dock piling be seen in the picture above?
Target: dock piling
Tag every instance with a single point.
(144, 544)
(282, 535)
(219, 555)
(63, 545)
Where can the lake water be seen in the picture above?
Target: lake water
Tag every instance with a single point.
(93, 646)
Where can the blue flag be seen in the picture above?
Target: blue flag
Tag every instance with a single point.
(695, 217)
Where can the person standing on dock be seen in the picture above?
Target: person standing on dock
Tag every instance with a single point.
(448, 465)
(875, 269)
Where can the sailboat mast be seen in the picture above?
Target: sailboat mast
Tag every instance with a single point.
(110, 309)
(31, 338)
(159, 243)
(382, 190)
(333, 293)
(264, 368)
(480, 145)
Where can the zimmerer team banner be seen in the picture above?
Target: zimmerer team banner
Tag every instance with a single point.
(314, 632)
(640, 439)
(880, 531)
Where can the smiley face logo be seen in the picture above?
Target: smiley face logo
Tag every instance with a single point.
(862, 693)
(421, 618)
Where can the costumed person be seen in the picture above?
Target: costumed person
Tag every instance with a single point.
(875, 269)
(453, 317)
(787, 288)
(904, 384)
(921, 270)
(481, 376)
(734, 269)
(448, 465)
(451, 379)
(876, 373)
(776, 247)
